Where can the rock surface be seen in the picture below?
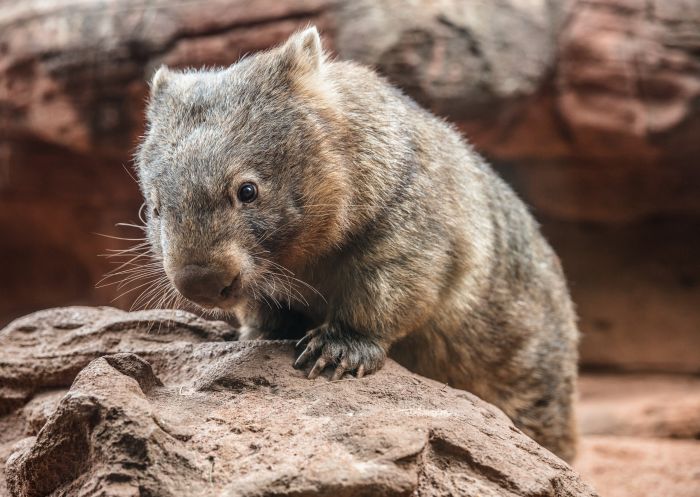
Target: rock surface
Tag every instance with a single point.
(641, 434)
(610, 137)
(636, 287)
(181, 412)
(464, 60)
(641, 405)
(631, 466)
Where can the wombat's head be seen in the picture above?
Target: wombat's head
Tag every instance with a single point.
(240, 174)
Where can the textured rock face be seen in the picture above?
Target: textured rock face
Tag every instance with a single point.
(590, 108)
(177, 414)
(636, 288)
(462, 59)
(75, 76)
(609, 138)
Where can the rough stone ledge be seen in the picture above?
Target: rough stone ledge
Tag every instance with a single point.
(187, 416)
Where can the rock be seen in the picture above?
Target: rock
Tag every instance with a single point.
(609, 138)
(48, 348)
(636, 287)
(463, 60)
(76, 77)
(629, 70)
(640, 405)
(629, 466)
(234, 418)
(641, 434)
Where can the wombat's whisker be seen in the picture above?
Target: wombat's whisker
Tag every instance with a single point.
(271, 294)
(129, 225)
(122, 265)
(148, 295)
(112, 253)
(165, 297)
(134, 273)
(120, 238)
(130, 290)
(133, 247)
(144, 301)
(120, 283)
(127, 257)
(272, 232)
(141, 209)
(135, 268)
(287, 288)
(290, 276)
(137, 277)
(152, 290)
(137, 249)
(335, 206)
(290, 288)
(130, 174)
(131, 266)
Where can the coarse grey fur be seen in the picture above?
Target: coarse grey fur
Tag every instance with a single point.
(376, 229)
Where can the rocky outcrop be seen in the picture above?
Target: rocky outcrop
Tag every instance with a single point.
(609, 137)
(590, 108)
(182, 412)
(464, 60)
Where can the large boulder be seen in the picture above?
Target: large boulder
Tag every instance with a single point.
(182, 412)
(612, 135)
(464, 60)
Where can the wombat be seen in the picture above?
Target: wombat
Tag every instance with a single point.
(310, 198)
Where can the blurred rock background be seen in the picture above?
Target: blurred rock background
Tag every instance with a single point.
(589, 108)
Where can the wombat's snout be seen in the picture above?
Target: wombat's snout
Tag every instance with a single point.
(204, 285)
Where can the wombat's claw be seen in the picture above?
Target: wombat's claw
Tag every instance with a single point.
(309, 335)
(318, 368)
(348, 353)
(304, 356)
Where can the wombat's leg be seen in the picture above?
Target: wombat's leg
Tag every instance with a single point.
(273, 324)
(346, 350)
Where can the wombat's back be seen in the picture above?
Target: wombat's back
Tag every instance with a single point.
(504, 327)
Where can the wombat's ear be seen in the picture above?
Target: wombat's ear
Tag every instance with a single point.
(160, 80)
(304, 50)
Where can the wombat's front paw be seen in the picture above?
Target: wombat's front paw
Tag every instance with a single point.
(347, 351)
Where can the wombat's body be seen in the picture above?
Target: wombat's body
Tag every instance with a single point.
(401, 240)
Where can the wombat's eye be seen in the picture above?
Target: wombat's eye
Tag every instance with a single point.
(247, 192)
(156, 212)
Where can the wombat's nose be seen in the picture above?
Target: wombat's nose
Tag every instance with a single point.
(204, 285)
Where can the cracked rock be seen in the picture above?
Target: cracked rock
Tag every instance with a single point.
(196, 415)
